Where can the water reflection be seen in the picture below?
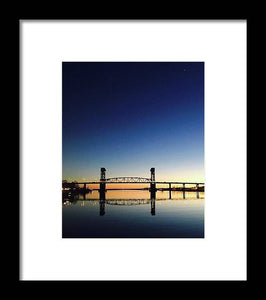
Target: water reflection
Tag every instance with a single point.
(153, 197)
(102, 203)
(72, 198)
(133, 214)
(153, 207)
(102, 207)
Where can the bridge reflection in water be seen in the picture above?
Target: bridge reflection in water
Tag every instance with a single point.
(103, 202)
(130, 180)
(152, 201)
(73, 198)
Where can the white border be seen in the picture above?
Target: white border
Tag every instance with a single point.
(222, 254)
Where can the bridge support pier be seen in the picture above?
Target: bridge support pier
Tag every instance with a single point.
(197, 186)
(153, 197)
(102, 187)
(170, 191)
(184, 191)
(102, 180)
(153, 194)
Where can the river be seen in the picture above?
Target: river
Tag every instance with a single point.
(133, 214)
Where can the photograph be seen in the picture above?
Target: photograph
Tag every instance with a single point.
(133, 149)
(135, 127)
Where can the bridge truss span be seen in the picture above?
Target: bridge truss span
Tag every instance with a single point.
(128, 180)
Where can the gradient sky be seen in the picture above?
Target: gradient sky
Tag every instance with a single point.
(129, 117)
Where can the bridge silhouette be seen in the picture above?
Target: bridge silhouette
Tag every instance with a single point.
(196, 186)
(134, 180)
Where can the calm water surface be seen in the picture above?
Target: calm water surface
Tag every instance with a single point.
(133, 214)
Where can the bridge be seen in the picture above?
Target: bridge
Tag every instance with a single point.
(138, 180)
(128, 180)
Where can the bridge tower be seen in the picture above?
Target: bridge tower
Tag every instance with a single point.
(102, 179)
(153, 184)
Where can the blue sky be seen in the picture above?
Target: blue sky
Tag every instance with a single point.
(129, 117)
